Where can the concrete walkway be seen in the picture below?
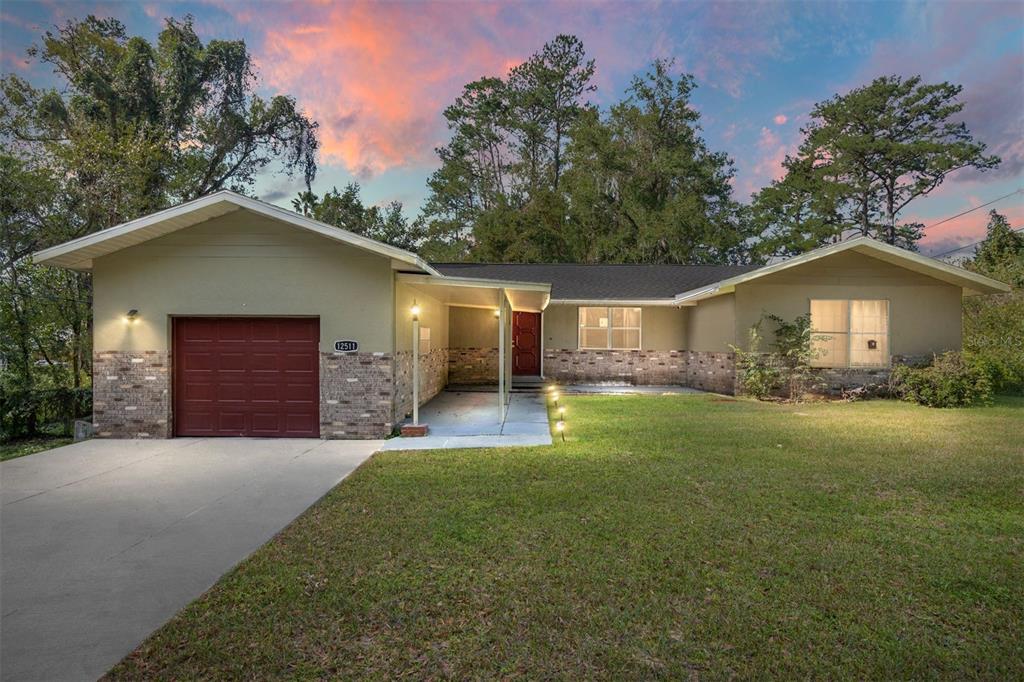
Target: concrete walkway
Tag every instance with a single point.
(473, 420)
(103, 541)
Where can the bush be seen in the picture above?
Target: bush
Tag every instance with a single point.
(952, 380)
(26, 413)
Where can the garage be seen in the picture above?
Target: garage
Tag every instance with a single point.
(246, 376)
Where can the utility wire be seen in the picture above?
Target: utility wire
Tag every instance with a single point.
(989, 203)
(961, 248)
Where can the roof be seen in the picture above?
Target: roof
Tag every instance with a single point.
(971, 282)
(78, 254)
(582, 283)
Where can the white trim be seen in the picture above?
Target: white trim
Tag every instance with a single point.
(472, 282)
(726, 286)
(617, 302)
(61, 254)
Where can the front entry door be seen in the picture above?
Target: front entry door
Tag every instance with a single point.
(526, 343)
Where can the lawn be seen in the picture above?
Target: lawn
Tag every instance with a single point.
(670, 537)
(30, 446)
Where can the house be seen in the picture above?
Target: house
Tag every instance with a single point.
(229, 316)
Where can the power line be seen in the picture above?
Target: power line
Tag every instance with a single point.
(961, 248)
(970, 210)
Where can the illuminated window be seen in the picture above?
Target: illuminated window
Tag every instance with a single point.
(609, 328)
(852, 333)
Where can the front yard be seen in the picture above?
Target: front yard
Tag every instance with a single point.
(671, 536)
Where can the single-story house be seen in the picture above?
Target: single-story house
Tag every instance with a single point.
(228, 316)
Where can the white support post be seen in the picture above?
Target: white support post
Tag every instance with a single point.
(501, 354)
(415, 370)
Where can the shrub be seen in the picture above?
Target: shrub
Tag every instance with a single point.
(952, 380)
(758, 372)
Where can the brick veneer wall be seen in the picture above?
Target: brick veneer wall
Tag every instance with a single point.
(473, 365)
(629, 366)
(834, 380)
(356, 395)
(433, 378)
(131, 394)
(715, 372)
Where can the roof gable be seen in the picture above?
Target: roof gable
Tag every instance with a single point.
(78, 254)
(971, 282)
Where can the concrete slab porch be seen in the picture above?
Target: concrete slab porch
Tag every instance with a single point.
(460, 419)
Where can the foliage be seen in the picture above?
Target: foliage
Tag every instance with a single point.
(788, 364)
(865, 156)
(132, 127)
(757, 371)
(994, 325)
(24, 413)
(142, 126)
(535, 172)
(680, 536)
(952, 380)
(643, 186)
(346, 210)
(794, 351)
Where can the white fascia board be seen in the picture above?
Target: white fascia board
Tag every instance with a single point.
(473, 282)
(613, 302)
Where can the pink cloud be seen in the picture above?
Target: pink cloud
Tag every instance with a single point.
(963, 230)
(772, 153)
(780, 119)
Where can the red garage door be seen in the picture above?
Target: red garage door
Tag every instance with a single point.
(246, 376)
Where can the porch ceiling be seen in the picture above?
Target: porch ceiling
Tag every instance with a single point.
(478, 293)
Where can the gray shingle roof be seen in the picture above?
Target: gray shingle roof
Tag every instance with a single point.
(574, 281)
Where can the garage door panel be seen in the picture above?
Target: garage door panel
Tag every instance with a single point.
(247, 376)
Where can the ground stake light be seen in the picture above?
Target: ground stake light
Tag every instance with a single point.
(560, 427)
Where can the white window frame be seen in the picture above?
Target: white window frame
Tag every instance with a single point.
(579, 326)
(849, 334)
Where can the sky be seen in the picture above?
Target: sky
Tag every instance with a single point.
(377, 76)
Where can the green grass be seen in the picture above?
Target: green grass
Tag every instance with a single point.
(30, 446)
(670, 537)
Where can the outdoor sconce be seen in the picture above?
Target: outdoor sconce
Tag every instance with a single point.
(497, 312)
(131, 316)
(415, 310)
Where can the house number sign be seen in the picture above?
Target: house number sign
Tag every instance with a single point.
(346, 346)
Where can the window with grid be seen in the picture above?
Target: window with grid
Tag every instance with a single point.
(609, 328)
(850, 333)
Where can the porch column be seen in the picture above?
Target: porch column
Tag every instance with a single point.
(501, 353)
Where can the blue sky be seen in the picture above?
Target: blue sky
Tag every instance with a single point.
(377, 76)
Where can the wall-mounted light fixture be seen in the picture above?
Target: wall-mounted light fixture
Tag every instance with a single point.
(497, 312)
(415, 310)
(131, 316)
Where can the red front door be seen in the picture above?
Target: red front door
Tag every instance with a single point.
(247, 376)
(526, 343)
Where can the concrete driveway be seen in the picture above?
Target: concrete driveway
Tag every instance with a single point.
(103, 541)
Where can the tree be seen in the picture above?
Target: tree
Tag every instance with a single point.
(140, 127)
(1001, 254)
(131, 128)
(643, 186)
(871, 152)
(797, 213)
(994, 325)
(508, 145)
(346, 210)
